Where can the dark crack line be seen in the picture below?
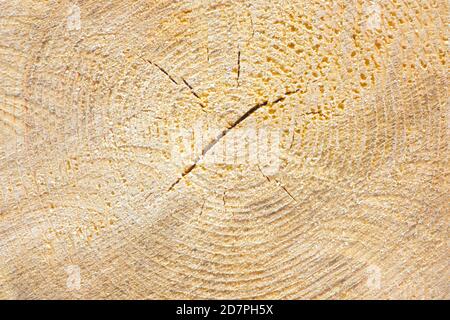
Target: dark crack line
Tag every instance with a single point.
(251, 20)
(293, 134)
(259, 168)
(191, 89)
(163, 71)
(224, 204)
(186, 171)
(284, 188)
(278, 184)
(238, 67)
(203, 206)
(251, 111)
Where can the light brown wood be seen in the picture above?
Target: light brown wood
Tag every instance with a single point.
(101, 195)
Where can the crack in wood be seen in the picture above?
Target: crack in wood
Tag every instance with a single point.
(191, 89)
(278, 184)
(222, 134)
(238, 67)
(163, 71)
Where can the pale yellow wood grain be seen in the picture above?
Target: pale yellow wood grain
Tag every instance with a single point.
(95, 204)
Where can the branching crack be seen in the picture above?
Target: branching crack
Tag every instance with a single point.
(222, 134)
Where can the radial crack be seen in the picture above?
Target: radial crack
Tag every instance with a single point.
(191, 89)
(238, 67)
(162, 70)
(278, 184)
(288, 193)
(222, 134)
(186, 171)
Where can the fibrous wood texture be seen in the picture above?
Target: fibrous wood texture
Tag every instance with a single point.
(128, 169)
